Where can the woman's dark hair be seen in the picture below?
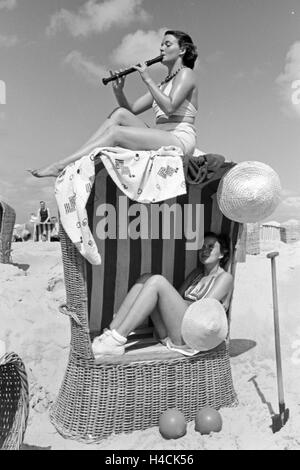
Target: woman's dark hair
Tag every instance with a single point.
(185, 41)
(224, 242)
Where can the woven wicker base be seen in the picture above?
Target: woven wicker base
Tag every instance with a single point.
(96, 401)
(14, 402)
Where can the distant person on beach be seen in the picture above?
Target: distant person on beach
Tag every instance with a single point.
(174, 102)
(26, 235)
(43, 213)
(54, 235)
(154, 296)
(16, 237)
(43, 218)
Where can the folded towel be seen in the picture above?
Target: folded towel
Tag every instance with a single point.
(146, 176)
(184, 349)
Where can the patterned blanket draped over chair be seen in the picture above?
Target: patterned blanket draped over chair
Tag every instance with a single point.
(7, 222)
(130, 393)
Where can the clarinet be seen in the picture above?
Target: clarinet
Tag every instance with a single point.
(105, 81)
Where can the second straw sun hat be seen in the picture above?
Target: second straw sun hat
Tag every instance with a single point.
(204, 325)
(249, 192)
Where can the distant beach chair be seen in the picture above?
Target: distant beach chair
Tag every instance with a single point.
(41, 229)
(7, 222)
(290, 231)
(14, 402)
(130, 393)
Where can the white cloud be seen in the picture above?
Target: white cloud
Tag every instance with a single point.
(288, 192)
(8, 4)
(289, 208)
(284, 213)
(138, 46)
(134, 48)
(290, 198)
(86, 67)
(94, 17)
(287, 80)
(292, 202)
(8, 41)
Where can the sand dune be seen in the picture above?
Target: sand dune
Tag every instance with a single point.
(32, 289)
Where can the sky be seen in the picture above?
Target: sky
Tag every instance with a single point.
(53, 56)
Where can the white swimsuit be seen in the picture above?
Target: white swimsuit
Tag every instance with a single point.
(185, 132)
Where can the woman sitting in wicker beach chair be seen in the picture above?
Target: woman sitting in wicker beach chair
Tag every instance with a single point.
(174, 102)
(154, 296)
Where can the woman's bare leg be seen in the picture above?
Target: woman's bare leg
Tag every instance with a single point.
(129, 300)
(157, 291)
(134, 138)
(159, 324)
(119, 117)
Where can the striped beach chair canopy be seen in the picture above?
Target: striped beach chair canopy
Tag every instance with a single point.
(156, 251)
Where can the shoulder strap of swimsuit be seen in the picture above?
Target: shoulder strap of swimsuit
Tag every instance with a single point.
(206, 287)
(168, 88)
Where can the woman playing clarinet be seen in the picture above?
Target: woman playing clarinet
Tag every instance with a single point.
(174, 103)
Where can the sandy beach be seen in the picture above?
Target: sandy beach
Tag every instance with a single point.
(196, 103)
(32, 326)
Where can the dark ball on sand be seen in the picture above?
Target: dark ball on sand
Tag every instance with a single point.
(172, 424)
(208, 420)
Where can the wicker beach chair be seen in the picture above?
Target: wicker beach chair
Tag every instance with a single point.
(7, 222)
(14, 402)
(129, 393)
(290, 231)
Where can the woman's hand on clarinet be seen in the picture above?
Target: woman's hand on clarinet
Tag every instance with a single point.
(143, 70)
(117, 84)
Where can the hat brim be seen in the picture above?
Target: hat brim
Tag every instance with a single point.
(204, 325)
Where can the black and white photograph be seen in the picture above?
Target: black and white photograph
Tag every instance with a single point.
(149, 227)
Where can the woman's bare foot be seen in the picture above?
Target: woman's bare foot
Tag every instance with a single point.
(52, 170)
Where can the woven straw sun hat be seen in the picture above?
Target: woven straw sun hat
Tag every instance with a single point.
(204, 325)
(249, 192)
